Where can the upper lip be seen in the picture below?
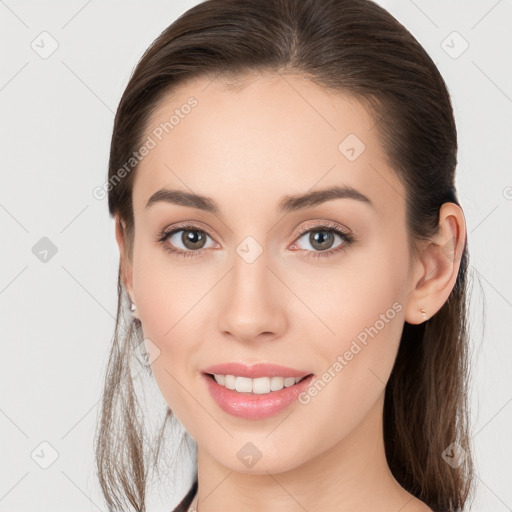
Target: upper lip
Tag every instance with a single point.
(254, 371)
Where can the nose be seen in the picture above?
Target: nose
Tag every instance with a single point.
(253, 302)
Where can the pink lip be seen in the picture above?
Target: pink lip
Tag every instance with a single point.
(252, 406)
(254, 371)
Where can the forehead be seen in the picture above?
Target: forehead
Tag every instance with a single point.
(269, 136)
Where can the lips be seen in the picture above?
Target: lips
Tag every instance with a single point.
(251, 406)
(253, 371)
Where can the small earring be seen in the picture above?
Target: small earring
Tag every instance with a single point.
(424, 313)
(133, 309)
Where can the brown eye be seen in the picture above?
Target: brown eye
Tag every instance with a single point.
(321, 240)
(193, 239)
(185, 241)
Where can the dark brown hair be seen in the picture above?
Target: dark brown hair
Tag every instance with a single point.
(357, 48)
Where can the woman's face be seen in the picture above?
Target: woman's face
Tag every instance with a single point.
(262, 280)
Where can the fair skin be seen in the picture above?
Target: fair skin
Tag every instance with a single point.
(246, 149)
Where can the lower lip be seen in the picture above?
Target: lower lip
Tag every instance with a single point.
(253, 406)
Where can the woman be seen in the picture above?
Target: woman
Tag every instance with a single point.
(251, 134)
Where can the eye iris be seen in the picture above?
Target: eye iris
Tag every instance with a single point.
(317, 237)
(193, 239)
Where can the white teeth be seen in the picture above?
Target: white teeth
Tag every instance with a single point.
(260, 385)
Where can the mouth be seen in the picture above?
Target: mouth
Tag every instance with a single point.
(256, 386)
(258, 398)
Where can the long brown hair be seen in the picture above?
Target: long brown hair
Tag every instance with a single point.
(357, 48)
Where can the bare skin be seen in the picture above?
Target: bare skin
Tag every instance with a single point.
(246, 149)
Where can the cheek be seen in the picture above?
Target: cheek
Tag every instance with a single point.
(362, 312)
(174, 301)
(365, 289)
(358, 359)
(167, 290)
(170, 309)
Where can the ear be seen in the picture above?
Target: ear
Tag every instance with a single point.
(126, 266)
(435, 272)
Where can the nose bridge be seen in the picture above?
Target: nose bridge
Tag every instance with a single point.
(252, 304)
(250, 275)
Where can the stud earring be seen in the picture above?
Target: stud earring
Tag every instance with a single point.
(133, 309)
(424, 313)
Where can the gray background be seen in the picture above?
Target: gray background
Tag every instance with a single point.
(58, 308)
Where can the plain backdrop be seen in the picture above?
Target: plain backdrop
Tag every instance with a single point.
(59, 258)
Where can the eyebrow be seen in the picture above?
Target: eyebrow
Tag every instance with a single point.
(287, 203)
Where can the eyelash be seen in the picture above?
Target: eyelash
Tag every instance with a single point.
(326, 227)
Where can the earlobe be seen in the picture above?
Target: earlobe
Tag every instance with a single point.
(438, 266)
